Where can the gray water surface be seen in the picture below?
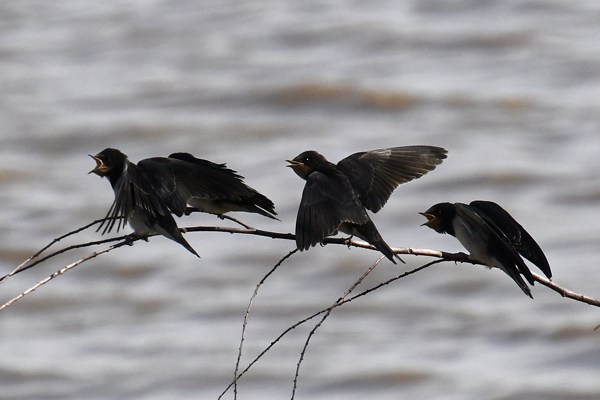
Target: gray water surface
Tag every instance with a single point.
(510, 88)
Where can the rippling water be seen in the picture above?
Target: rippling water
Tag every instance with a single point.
(511, 88)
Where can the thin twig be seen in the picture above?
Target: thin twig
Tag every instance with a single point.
(60, 272)
(247, 314)
(130, 239)
(326, 314)
(456, 257)
(237, 221)
(190, 210)
(23, 267)
(64, 250)
(310, 317)
(566, 292)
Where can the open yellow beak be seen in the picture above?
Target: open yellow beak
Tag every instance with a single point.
(294, 164)
(100, 168)
(430, 219)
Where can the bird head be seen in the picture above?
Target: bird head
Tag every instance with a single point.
(439, 217)
(108, 162)
(306, 163)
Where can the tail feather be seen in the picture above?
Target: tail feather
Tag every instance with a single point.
(369, 233)
(262, 205)
(167, 227)
(185, 244)
(514, 274)
(259, 209)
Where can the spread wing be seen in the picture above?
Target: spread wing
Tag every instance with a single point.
(133, 191)
(376, 174)
(326, 203)
(517, 236)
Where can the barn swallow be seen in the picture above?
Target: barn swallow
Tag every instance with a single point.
(492, 237)
(216, 189)
(142, 195)
(337, 196)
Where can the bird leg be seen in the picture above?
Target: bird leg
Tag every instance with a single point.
(135, 236)
(237, 221)
(348, 241)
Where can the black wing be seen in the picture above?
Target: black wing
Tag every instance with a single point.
(326, 203)
(165, 177)
(178, 178)
(517, 236)
(376, 174)
(133, 191)
(225, 184)
(483, 236)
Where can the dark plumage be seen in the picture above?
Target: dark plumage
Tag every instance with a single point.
(519, 239)
(492, 237)
(336, 196)
(220, 190)
(142, 196)
(148, 193)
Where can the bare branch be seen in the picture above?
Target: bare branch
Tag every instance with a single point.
(190, 210)
(566, 292)
(60, 272)
(64, 250)
(327, 313)
(247, 314)
(310, 317)
(247, 230)
(443, 256)
(56, 240)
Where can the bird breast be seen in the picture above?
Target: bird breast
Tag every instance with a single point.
(474, 241)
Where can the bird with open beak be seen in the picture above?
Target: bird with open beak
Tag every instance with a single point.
(336, 197)
(138, 200)
(149, 192)
(492, 237)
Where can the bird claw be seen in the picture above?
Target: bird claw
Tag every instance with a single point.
(133, 237)
(462, 255)
(348, 241)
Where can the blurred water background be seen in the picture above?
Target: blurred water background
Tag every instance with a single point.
(509, 87)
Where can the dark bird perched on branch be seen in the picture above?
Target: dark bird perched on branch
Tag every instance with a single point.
(148, 193)
(492, 237)
(337, 196)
